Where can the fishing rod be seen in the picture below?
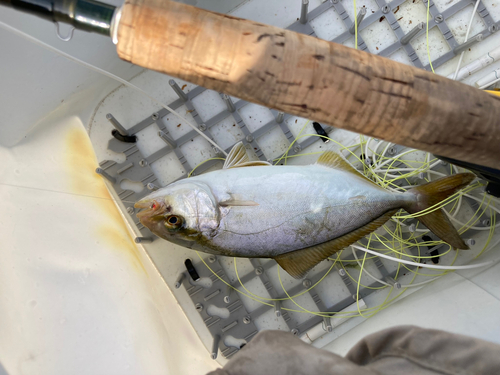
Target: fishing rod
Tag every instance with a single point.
(294, 73)
(86, 15)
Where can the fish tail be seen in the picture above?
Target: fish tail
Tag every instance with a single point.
(432, 193)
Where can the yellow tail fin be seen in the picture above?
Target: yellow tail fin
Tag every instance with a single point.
(432, 193)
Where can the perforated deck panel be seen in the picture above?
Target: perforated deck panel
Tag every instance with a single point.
(137, 166)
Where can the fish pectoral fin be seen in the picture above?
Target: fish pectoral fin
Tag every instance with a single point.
(297, 263)
(238, 157)
(235, 202)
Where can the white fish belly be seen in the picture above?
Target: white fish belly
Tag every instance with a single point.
(298, 207)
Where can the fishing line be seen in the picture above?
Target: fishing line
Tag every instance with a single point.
(107, 74)
(396, 236)
(465, 40)
(466, 267)
(203, 162)
(61, 192)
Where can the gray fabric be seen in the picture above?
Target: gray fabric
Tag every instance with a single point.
(425, 351)
(404, 350)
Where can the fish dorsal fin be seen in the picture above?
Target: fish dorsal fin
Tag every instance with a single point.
(297, 263)
(333, 160)
(238, 157)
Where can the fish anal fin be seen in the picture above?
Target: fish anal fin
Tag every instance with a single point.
(297, 263)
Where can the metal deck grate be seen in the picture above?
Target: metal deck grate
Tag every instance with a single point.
(137, 167)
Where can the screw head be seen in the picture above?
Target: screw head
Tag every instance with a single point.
(202, 127)
(247, 320)
(471, 242)
(227, 299)
(295, 331)
(155, 116)
(307, 283)
(297, 148)
(249, 138)
(143, 162)
(386, 9)
(130, 210)
(342, 272)
(439, 18)
(198, 307)
(486, 222)
(259, 271)
(212, 258)
(392, 150)
(493, 29)
(355, 297)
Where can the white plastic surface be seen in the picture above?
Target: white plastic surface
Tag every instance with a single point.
(78, 296)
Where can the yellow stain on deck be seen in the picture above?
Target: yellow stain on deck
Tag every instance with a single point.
(81, 164)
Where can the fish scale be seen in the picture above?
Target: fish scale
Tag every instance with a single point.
(298, 206)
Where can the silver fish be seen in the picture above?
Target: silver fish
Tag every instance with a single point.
(297, 215)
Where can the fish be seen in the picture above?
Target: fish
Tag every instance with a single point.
(296, 215)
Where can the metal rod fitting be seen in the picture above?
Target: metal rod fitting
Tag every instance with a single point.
(181, 94)
(169, 141)
(178, 281)
(87, 15)
(412, 33)
(116, 124)
(215, 346)
(465, 46)
(328, 324)
(303, 11)
(229, 103)
(152, 186)
(106, 175)
(143, 240)
(280, 117)
(361, 15)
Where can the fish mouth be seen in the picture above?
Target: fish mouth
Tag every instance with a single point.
(153, 209)
(148, 210)
(143, 203)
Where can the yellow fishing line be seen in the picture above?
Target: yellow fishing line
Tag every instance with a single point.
(395, 245)
(203, 162)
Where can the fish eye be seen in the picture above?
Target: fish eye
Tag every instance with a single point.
(173, 221)
(154, 205)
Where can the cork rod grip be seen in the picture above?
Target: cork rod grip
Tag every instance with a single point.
(312, 78)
